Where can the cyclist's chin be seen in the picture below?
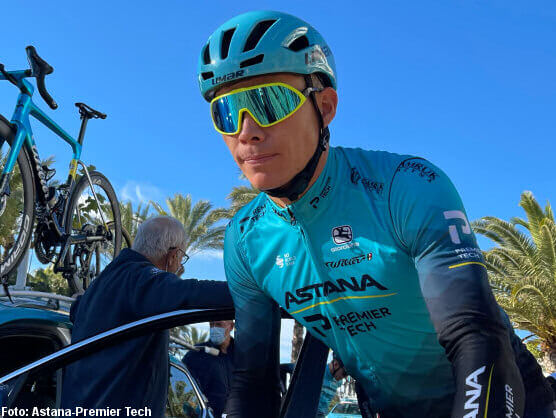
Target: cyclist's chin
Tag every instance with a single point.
(264, 179)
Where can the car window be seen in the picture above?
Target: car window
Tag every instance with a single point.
(183, 400)
(346, 408)
(199, 333)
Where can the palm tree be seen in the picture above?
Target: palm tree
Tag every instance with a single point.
(522, 271)
(131, 219)
(188, 333)
(238, 197)
(199, 222)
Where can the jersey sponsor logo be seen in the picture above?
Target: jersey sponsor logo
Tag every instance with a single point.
(472, 404)
(509, 402)
(469, 253)
(418, 167)
(323, 193)
(328, 287)
(465, 228)
(227, 77)
(349, 261)
(285, 260)
(360, 322)
(255, 215)
(345, 246)
(342, 234)
(369, 185)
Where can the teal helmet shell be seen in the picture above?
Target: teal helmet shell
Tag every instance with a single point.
(263, 42)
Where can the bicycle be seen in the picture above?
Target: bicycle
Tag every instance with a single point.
(71, 228)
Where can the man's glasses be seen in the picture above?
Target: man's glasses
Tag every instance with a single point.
(184, 258)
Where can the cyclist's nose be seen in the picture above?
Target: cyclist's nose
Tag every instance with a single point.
(250, 130)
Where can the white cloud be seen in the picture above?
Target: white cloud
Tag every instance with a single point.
(138, 192)
(209, 255)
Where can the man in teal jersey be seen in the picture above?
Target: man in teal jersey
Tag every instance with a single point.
(371, 251)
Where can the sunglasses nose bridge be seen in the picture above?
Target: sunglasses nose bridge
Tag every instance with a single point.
(248, 126)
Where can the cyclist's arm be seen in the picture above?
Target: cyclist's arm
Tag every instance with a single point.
(431, 224)
(540, 399)
(255, 390)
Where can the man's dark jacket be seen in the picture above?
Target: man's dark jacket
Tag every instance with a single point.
(133, 373)
(213, 373)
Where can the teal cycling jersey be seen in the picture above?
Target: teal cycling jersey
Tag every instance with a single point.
(378, 260)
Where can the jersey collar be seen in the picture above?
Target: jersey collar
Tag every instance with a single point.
(317, 197)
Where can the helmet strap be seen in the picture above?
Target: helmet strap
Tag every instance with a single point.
(299, 183)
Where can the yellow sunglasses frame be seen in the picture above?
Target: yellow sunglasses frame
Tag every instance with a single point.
(302, 98)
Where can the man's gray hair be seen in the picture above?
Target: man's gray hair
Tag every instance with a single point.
(157, 235)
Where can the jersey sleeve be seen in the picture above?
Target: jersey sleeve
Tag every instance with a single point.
(255, 390)
(430, 223)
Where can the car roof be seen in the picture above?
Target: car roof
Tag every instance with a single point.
(34, 309)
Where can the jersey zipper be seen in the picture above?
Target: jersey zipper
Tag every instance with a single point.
(295, 222)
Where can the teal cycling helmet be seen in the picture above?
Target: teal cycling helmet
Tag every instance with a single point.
(263, 42)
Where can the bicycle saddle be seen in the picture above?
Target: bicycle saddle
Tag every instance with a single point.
(88, 112)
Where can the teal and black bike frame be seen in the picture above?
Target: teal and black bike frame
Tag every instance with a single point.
(23, 136)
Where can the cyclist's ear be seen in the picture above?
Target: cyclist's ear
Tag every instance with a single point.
(327, 100)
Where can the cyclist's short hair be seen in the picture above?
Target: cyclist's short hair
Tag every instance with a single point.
(157, 235)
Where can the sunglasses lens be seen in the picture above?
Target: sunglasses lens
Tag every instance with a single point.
(268, 105)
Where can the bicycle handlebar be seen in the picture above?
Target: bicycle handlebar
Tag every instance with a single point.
(40, 70)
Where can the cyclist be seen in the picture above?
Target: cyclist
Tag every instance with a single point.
(371, 251)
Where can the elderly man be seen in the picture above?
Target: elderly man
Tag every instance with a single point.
(140, 282)
(214, 373)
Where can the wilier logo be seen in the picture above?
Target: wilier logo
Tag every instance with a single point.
(349, 261)
(342, 234)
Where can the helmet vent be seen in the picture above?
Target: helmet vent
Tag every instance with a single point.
(207, 75)
(251, 61)
(226, 40)
(206, 55)
(300, 43)
(257, 33)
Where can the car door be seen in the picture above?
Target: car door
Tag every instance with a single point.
(35, 387)
(37, 384)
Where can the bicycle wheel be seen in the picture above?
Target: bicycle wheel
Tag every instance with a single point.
(84, 216)
(126, 238)
(18, 217)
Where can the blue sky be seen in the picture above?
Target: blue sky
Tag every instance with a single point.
(467, 84)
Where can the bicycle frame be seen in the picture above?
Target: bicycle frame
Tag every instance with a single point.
(25, 107)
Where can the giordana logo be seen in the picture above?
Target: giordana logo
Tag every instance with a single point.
(285, 260)
(342, 234)
(349, 261)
